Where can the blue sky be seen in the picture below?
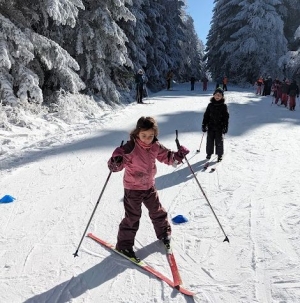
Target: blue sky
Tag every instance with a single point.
(201, 12)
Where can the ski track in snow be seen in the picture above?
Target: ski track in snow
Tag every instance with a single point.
(254, 193)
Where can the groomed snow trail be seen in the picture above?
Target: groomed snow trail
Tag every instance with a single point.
(254, 193)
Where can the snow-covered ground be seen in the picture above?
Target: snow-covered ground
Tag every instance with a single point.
(56, 172)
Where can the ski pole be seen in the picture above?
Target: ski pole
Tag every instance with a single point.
(178, 146)
(107, 179)
(198, 150)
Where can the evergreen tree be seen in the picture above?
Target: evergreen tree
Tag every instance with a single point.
(98, 44)
(163, 48)
(27, 56)
(192, 53)
(251, 42)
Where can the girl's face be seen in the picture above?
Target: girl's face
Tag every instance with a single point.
(218, 96)
(146, 136)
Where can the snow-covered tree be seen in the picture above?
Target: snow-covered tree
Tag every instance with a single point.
(27, 56)
(163, 44)
(290, 63)
(248, 43)
(136, 32)
(192, 49)
(98, 45)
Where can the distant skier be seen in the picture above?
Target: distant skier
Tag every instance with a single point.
(204, 81)
(215, 122)
(219, 82)
(193, 80)
(284, 90)
(169, 77)
(293, 91)
(225, 81)
(138, 157)
(139, 81)
(259, 84)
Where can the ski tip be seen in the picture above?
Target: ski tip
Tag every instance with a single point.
(198, 151)
(184, 291)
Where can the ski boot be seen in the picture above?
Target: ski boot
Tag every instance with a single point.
(130, 254)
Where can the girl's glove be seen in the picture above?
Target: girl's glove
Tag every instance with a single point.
(181, 153)
(115, 163)
(204, 128)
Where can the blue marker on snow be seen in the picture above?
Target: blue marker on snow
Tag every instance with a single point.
(179, 219)
(7, 199)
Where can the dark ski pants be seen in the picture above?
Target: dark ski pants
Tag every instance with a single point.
(139, 93)
(192, 86)
(168, 84)
(292, 102)
(214, 138)
(129, 226)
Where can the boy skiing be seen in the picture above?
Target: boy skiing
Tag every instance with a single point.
(215, 122)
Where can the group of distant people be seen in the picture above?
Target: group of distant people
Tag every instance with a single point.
(286, 91)
(204, 81)
(141, 90)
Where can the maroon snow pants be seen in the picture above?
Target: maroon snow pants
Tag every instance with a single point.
(128, 227)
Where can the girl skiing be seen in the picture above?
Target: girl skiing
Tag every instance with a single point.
(138, 157)
(215, 122)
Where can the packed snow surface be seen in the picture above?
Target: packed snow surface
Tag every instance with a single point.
(56, 171)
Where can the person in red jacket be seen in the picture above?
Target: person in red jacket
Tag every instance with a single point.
(138, 157)
(284, 92)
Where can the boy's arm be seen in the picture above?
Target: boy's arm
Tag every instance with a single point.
(205, 120)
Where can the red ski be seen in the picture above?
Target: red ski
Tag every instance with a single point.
(144, 266)
(173, 267)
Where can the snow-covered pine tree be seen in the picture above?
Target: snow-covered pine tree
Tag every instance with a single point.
(155, 46)
(290, 63)
(256, 40)
(136, 32)
(219, 33)
(163, 48)
(173, 21)
(192, 50)
(99, 47)
(28, 57)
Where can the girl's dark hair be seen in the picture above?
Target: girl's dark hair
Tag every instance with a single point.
(144, 123)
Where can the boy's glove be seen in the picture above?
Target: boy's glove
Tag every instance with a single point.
(180, 154)
(115, 163)
(225, 130)
(204, 128)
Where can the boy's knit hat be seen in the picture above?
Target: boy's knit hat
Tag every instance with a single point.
(219, 90)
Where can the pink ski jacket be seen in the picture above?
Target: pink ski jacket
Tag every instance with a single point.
(139, 163)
